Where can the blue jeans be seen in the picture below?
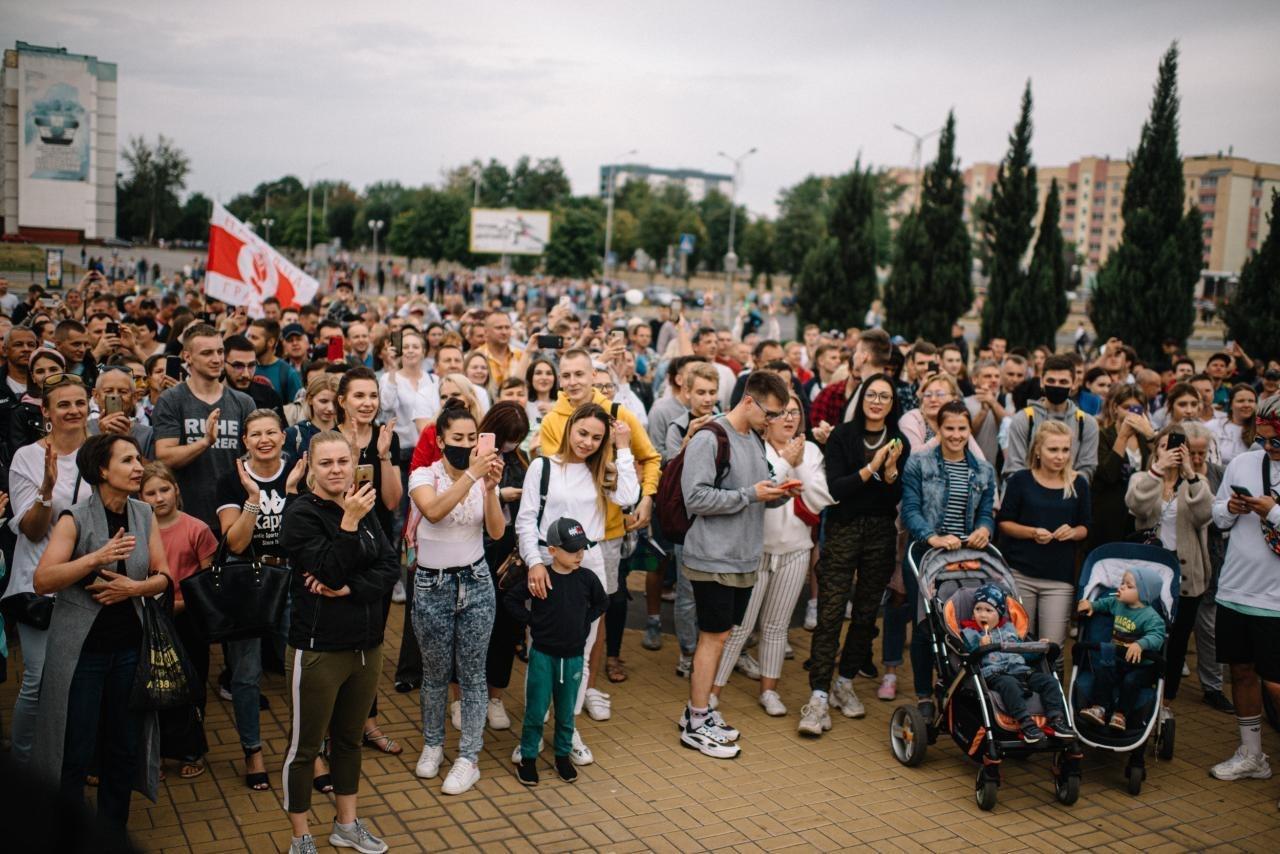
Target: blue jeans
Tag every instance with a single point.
(896, 620)
(99, 697)
(244, 660)
(34, 642)
(685, 613)
(453, 617)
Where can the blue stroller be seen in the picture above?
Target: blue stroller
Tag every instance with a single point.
(1100, 576)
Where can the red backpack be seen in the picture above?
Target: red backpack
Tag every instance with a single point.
(673, 519)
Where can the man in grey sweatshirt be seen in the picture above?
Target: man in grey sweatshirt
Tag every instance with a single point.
(723, 545)
(1055, 380)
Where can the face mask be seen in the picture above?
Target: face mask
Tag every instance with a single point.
(508, 447)
(458, 456)
(1056, 394)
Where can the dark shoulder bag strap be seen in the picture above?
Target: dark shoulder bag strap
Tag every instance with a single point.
(1266, 475)
(544, 483)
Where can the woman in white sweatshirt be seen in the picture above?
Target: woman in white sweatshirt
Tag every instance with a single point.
(580, 483)
(784, 566)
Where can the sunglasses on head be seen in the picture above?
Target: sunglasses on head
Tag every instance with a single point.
(59, 379)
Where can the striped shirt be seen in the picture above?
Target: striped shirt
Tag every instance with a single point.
(956, 520)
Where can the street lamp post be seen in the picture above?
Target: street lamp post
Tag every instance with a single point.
(267, 222)
(917, 153)
(608, 216)
(731, 257)
(375, 225)
(311, 185)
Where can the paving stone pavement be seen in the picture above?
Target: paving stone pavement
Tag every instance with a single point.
(645, 793)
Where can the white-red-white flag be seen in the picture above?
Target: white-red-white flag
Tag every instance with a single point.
(243, 269)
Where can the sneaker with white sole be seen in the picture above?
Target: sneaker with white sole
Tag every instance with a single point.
(715, 719)
(356, 836)
(497, 713)
(772, 704)
(787, 652)
(888, 689)
(709, 741)
(397, 593)
(748, 667)
(516, 755)
(814, 718)
(598, 705)
(455, 714)
(1243, 765)
(305, 844)
(811, 615)
(580, 753)
(844, 699)
(462, 776)
(684, 666)
(429, 761)
(652, 636)
(713, 702)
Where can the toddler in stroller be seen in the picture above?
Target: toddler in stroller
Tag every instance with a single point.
(1136, 627)
(1007, 673)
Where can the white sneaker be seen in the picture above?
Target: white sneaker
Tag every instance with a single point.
(455, 714)
(811, 615)
(772, 704)
(787, 652)
(1186, 671)
(397, 593)
(429, 762)
(598, 705)
(748, 667)
(498, 718)
(709, 741)
(848, 610)
(516, 755)
(462, 776)
(714, 719)
(1243, 765)
(580, 754)
(684, 666)
(713, 702)
(844, 699)
(814, 718)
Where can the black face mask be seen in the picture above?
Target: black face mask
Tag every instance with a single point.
(1056, 394)
(458, 456)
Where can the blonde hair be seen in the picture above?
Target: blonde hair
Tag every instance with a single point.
(942, 377)
(325, 437)
(162, 471)
(469, 396)
(322, 382)
(703, 371)
(1054, 428)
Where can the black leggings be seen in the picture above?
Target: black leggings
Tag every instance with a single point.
(1179, 637)
(506, 631)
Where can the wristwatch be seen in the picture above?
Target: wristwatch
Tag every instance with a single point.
(43, 502)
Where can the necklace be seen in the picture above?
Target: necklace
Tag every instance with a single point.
(884, 434)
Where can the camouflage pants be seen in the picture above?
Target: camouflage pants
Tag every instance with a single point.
(857, 561)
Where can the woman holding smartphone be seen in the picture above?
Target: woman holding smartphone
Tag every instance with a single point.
(1124, 447)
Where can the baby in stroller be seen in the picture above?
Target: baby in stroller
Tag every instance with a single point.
(1136, 627)
(1007, 673)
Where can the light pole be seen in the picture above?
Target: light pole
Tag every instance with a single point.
(731, 257)
(311, 185)
(375, 225)
(917, 150)
(476, 174)
(608, 216)
(267, 222)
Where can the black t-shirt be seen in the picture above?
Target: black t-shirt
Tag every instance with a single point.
(116, 626)
(271, 500)
(369, 456)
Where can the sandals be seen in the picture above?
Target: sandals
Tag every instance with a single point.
(323, 784)
(614, 670)
(381, 742)
(190, 770)
(255, 780)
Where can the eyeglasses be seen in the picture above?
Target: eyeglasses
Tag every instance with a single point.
(102, 369)
(887, 396)
(605, 388)
(242, 366)
(791, 413)
(936, 395)
(61, 378)
(769, 414)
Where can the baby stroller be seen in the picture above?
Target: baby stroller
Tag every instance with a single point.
(965, 706)
(1100, 576)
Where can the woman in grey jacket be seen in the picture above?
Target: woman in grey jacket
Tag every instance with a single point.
(1175, 502)
(105, 554)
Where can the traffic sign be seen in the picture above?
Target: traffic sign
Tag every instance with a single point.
(686, 244)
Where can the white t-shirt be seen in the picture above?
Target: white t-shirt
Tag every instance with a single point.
(406, 401)
(1168, 528)
(26, 473)
(458, 538)
(9, 302)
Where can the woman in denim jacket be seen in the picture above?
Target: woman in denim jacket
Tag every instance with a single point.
(948, 496)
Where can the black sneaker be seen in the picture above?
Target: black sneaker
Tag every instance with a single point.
(869, 671)
(527, 771)
(1218, 700)
(564, 767)
(928, 709)
(406, 687)
(1061, 728)
(1031, 733)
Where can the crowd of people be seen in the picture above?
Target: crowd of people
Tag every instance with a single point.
(498, 455)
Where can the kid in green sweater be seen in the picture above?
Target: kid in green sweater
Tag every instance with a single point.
(1136, 626)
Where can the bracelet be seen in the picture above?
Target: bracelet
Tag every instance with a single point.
(468, 473)
(250, 507)
(386, 458)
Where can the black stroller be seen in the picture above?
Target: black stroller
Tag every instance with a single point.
(965, 706)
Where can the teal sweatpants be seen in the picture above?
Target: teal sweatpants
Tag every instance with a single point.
(546, 678)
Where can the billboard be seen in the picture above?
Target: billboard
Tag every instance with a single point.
(509, 231)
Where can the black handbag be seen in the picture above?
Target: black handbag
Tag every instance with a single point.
(236, 598)
(30, 609)
(165, 678)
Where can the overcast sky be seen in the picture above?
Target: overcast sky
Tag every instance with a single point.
(403, 90)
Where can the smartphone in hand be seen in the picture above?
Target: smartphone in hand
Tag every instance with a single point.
(364, 474)
(484, 444)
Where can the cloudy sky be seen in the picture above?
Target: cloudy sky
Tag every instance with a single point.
(403, 90)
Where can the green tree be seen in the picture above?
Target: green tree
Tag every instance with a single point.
(936, 289)
(659, 228)
(149, 196)
(540, 186)
(801, 225)
(1008, 225)
(626, 235)
(1045, 307)
(193, 221)
(853, 226)
(574, 248)
(1251, 315)
(1145, 291)
(758, 249)
(821, 285)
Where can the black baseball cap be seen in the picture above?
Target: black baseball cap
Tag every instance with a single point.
(290, 330)
(567, 534)
(1271, 375)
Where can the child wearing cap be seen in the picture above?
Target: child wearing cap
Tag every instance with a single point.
(558, 626)
(1136, 627)
(1007, 673)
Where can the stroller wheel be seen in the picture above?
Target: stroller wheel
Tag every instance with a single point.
(1136, 774)
(985, 793)
(1067, 789)
(908, 735)
(1165, 743)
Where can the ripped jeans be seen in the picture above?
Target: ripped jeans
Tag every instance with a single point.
(452, 618)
